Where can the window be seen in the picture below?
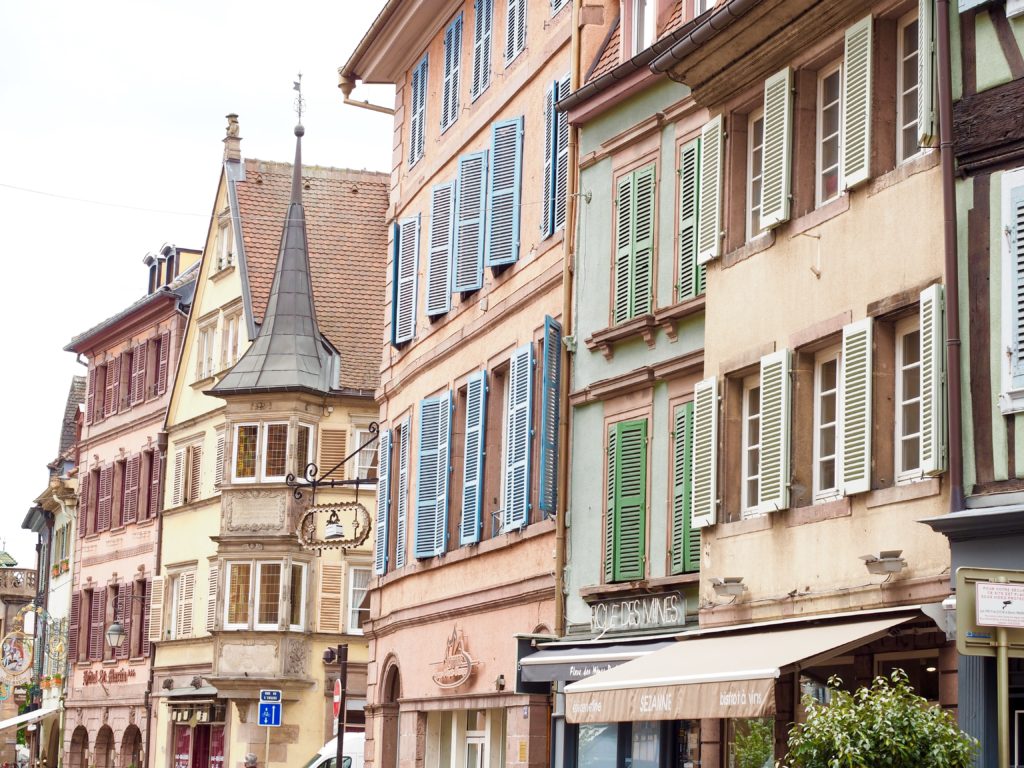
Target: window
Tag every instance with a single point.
(182, 614)
(225, 256)
(204, 351)
(515, 29)
(907, 87)
(751, 444)
(268, 595)
(755, 152)
(358, 584)
(829, 135)
(230, 342)
(556, 157)
(246, 441)
(634, 244)
(275, 451)
(826, 423)
(239, 582)
(366, 459)
(626, 513)
(297, 597)
(261, 584)
(262, 452)
(908, 400)
(303, 448)
(483, 25)
(643, 25)
(187, 478)
(702, 6)
(417, 112)
(452, 67)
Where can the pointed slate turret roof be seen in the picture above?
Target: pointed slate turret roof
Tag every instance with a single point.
(288, 354)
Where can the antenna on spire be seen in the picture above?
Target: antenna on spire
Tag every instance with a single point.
(300, 103)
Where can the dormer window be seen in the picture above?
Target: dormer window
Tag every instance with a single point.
(170, 268)
(225, 255)
(265, 452)
(643, 25)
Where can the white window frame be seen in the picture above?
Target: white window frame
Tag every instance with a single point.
(206, 335)
(230, 342)
(310, 448)
(748, 509)
(360, 435)
(175, 587)
(262, 441)
(643, 38)
(250, 606)
(823, 74)
(255, 601)
(754, 175)
(702, 6)
(1010, 400)
(225, 253)
(234, 453)
(904, 475)
(353, 607)
(302, 609)
(824, 357)
(905, 121)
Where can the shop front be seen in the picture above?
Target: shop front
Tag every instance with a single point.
(198, 733)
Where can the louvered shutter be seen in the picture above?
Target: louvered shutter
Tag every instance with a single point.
(186, 603)
(213, 590)
(139, 373)
(444, 443)
(439, 260)
(105, 498)
(561, 154)
(775, 432)
(178, 484)
(123, 613)
(97, 616)
(623, 246)
(113, 386)
(218, 470)
(402, 513)
(83, 502)
(483, 24)
(418, 105)
(331, 587)
(407, 246)
(551, 378)
(855, 407)
(468, 266)
(428, 473)
(73, 626)
(685, 555)
(609, 510)
(691, 272)
(90, 396)
(642, 262)
(163, 361)
(333, 450)
(195, 471)
(705, 453)
(856, 148)
(473, 456)
(126, 361)
(1015, 230)
(709, 235)
(503, 198)
(518, 433)
(515, 29)
(380, 556)
(153, 614)
(776, 157)
(630, 500)
(547, 221)
(925, 85)
(130, 508)
(933, 380)
(452, 65)
(155, 485)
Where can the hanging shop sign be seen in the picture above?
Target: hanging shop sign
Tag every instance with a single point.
(347, 526)
(457, 665)
(16, 654)
(665, 610)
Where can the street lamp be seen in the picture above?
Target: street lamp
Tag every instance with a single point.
(115, 634)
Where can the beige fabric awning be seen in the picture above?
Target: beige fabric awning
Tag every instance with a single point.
(28, 717)
(721, 675)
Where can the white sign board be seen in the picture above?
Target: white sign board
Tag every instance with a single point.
(966, 5)
(999, 605)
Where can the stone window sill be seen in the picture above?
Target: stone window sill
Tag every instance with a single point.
(897, 494)
(822, 510)
(667, 317)
(220, 274)
(643, 326)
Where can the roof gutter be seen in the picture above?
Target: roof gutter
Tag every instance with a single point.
(349, 69)
(690, 40)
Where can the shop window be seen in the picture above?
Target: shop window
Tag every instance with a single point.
(751, 742)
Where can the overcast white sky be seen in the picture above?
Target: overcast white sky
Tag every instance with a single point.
(123, 102)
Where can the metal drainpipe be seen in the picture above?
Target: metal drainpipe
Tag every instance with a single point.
(568, 254)
(956, 469)
(161, 446)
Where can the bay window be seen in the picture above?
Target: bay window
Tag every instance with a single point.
(265, 452)
(258, 592)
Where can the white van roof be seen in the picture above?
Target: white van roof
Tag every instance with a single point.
(354, 742)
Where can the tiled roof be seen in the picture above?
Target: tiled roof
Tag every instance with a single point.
(609, 57)
(345, 227)
(676, 19)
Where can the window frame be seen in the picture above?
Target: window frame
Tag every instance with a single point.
(225, 254)
(234, 453)
(205, 338)
(642, 39)
(825, 72)
(310, 447)
(360, 434)
(905, 327)
(257, 625)
(249, 606)
(753, 228)
(264, 437)
(902, 122)
(292, 565)
(353, 607)
(750, 384)
(819, 493)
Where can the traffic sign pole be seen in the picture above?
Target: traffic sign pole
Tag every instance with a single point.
(343, 677)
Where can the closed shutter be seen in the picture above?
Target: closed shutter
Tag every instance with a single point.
(933, 399)
(113, 386)
(1015, 229)
(139, 373)
(73, 626)
(195, 472)
(611, 471)
(155, 485)
(380, 557)
(691, 272)
(925, 103)
(775, 431)
(333, 449)
(777, 153)
(407, 247)
(178, 483)
(472, 479)
(97, 617)
(468, 266)
(218, 470)
(855, 409)
(331, 581)
(705, 452)
(685, 555)
(857, 104)
(518, 433)
(105, 498)
(153, 614)
(90, 396)
(623, 246)
(452, 65)
(561, 154)
(163, 361)
(502, 241)
(634, 248)
(130, 508)
(515, 29)
(425, 544)
(630, 500)
(709, 236)
(444, 443)
(213, 590)
(186, 604)
(483, 24)
(547, 221)
(439, 259)
(418, 107)
(127, 365)
(123, 614)
(551, 378)
(83, 502)
(402, 513)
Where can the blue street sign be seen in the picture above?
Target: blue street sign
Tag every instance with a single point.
(270, 694)
(270, 714)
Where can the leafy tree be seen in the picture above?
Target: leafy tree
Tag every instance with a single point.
(886, 724)
(755, 743)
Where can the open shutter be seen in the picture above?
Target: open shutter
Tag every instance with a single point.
(468, 267)
(925, 85)
(163, 362)
(631, 500)
(380, 556)
(126, 361)
(612, 471)
(551, 377)
(105, 498)
(452, 63)
(504, 192)
(83, 502)
(444, 442)
(195, 471)
(518, 432)
(561, 170)
(73, 626)
(97, 617)
(418, 105)
(933, 382)
(113, 386)
(130, 509)
(1015, 228)
(407, 246)
(122, 613)
(186, 603)
(439, 259)
(512, 47)
(427, 475)
(857, 104)
(178, 484)
(855, 407)
(218, 470)
(331, 594)
(623, 246)
(139, 373)
(155, 485)
(642, 262)
(547, 221)
(705, 452)
(777, 153)
(775, 431)
(709, 235)
(402, 513)
(90, 396)
(212, 591)
(685, 555)
(483, 24)
(691, 272)
(472, 479)
(153, 614)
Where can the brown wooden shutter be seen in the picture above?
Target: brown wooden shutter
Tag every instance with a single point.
(155, 484)
(211, 599)
(139, 374)
(130, 507)
(162, 362)
(73, 619)
(331, 580)
(90, 396)
(332, 452)
(125, 363)
(97, 613)
(112, 386)
(83, 502)
(195, 470)
(105, 498)
(153, 620)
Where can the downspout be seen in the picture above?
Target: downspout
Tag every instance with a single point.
(161, 446)
(568, 255)
(945, 84)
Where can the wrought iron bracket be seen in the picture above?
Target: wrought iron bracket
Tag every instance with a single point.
(310, 479)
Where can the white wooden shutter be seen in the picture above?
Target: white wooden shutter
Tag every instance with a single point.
(380, 556)
(518, 431)
(178, 483)
(709, 235)
(925, 84)
(212, 592)
(515, 29)
(155, 612)
(186, 603)
(439, 258)
(691, 274)
(776, 156)
(483, 24)
(1015, 228)
(402, 513)
(407, 248)
(856, 149)
(452, 65)
(775, 431)
(470, 207)
(218, 470)
(933, 382)
(331, 595)
(705, 453)
(855, 407)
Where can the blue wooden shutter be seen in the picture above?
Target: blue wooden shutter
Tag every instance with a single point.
(561, 154)
(547, 221)
(380, 559)
(406, 259)
(483, 24)
(468, 267)
(427, 473)
(439, 257)
(452, 65)
(630, 500)
(504, 192)
(444, 470)
(418, 111)
(515, 29)
(402, 519)
(551, 375)
(518, 421)
(472, 479)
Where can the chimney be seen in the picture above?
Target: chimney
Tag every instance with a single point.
(232, 141)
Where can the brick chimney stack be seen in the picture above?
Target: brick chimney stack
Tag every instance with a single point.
(232, 141)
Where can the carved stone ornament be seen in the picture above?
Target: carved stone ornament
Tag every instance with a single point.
(350, 517)
(296, 658)
(255, 510)
(131, 714)
(457, 665)
(106, 715)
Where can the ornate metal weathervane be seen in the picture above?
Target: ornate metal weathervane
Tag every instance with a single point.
(300, 103)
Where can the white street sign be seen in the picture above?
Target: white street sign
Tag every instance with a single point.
(999, 605)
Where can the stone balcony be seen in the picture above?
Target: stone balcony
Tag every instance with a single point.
(17, 584)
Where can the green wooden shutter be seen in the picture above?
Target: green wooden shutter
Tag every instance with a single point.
(630, 500)
(623, 245)
(691, 273)
(925, 85)
(705, 452)
(709, 235)
(855, 407)
(933, 399)
(609, 511)
(685, 553)
(642, 261)
(777, 154)
(856, 149)
(775, 431)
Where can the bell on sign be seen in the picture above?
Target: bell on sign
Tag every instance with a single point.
(334, 529)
